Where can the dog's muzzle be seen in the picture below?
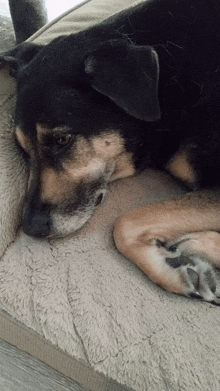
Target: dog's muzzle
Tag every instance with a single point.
(56, 221)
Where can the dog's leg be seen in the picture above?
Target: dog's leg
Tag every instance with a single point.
(175, 242)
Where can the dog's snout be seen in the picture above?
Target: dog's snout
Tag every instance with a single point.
(36, 223)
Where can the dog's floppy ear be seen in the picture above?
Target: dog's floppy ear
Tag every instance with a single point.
(128, 74)
(20, 56)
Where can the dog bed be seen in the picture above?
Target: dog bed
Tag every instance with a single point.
(76, 303)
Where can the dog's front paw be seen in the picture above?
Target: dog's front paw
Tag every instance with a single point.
(198, 276)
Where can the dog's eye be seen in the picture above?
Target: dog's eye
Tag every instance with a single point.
(63, 140)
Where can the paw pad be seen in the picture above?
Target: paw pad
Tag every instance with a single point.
(197, 276)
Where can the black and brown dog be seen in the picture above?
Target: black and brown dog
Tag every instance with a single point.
(141, 89)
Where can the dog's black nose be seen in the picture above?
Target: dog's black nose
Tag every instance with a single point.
(36, 223)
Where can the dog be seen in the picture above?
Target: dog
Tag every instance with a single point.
(141, 89)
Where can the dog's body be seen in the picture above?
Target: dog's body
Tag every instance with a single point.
(138, 90)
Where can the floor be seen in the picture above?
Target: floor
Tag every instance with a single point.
(21, 372)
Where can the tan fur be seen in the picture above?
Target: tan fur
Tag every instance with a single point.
(138, 233)
(55, 186)
(110, 147)
(124, 166)
(90, 159)
(109, 144)
(104, 149)
(180, 167)
(93, 156)
(23, 140)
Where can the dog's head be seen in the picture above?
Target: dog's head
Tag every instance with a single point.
(79, 110)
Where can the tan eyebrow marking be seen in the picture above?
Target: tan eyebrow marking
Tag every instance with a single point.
(23, 140)
(43, 130)
(108, 145)
(124, 166)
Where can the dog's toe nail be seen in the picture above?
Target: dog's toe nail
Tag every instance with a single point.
(215, 302)
(196, 295)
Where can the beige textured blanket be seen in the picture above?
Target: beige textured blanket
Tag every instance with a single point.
(83, 296)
